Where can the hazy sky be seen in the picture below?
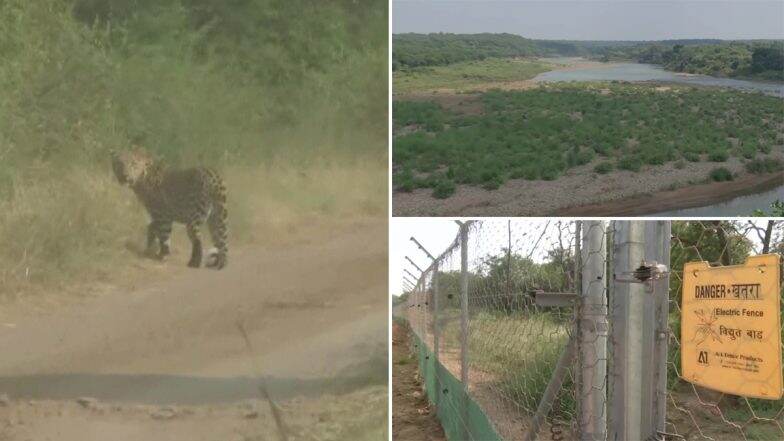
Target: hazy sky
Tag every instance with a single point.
(595, 20)
(436, 234)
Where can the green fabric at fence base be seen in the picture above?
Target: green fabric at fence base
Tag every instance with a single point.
(460, 416)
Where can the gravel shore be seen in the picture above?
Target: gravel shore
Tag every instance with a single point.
(577, 187)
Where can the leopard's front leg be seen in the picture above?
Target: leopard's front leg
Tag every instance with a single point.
(164, 234)
(152, 234)
(194, 234)
(161, 230)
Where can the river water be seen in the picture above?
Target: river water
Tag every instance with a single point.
(650, 72)
(740, 206)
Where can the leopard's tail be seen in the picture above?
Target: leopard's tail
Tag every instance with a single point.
(218, 222)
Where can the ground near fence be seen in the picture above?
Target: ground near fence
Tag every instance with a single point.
(413, 419)
(167, 357)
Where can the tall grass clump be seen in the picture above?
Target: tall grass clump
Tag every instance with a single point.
(287, 99)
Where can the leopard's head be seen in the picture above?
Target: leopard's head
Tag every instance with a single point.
(130, 166)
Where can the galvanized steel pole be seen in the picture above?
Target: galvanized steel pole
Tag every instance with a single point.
(592, 331)
(464, 326)
(628, 325)
(436, 343)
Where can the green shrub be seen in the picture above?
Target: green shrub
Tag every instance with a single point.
(404, 181)
(603, 168)
(656, 158)
(631, 163)
(680, 164)
(549, 174)
(764, 165)
(749, 152)
(443, 189)
(721, 174)
(691, 156)
(493, 182)
(718, 156)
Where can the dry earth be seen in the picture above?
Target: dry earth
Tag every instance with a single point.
(413, 418)
(580, 186)
(167, 361)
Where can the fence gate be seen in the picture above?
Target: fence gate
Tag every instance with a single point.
(562, 330)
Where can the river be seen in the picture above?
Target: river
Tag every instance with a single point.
(740, 206)
(650, 72)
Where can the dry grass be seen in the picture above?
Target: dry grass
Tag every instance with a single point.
(62, 229)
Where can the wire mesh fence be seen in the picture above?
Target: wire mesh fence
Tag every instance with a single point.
(503, 345)
(565, 330)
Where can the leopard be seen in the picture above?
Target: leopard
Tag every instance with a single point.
(191, 196)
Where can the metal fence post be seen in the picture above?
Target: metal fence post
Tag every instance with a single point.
(436, 342)
(627, 322)
(639, 351)
(592, 332)
(464, 324)
(657, 247)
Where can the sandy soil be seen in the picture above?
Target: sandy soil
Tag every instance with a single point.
(413, 419)
(168, 357)
(616, 193)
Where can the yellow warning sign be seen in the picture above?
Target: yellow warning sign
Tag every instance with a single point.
(731, 327)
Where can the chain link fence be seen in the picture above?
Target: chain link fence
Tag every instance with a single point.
(567, 330)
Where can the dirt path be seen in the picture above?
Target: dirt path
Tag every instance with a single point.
(316, 313)
(412, 418)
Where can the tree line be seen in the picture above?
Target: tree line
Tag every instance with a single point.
(416, 50)
(757, 58)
